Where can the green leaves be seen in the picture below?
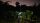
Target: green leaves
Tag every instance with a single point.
(22, 15)
(29, 14)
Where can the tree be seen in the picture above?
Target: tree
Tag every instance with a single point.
(17, 6)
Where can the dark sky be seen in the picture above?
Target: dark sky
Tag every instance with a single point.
(26, 2)
(12, 2)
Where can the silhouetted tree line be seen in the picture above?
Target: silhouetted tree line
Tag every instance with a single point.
(5, 7)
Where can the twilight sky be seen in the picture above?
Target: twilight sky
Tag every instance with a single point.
(12, 2)
(26, 2)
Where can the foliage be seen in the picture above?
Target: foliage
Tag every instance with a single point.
(23, 15)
